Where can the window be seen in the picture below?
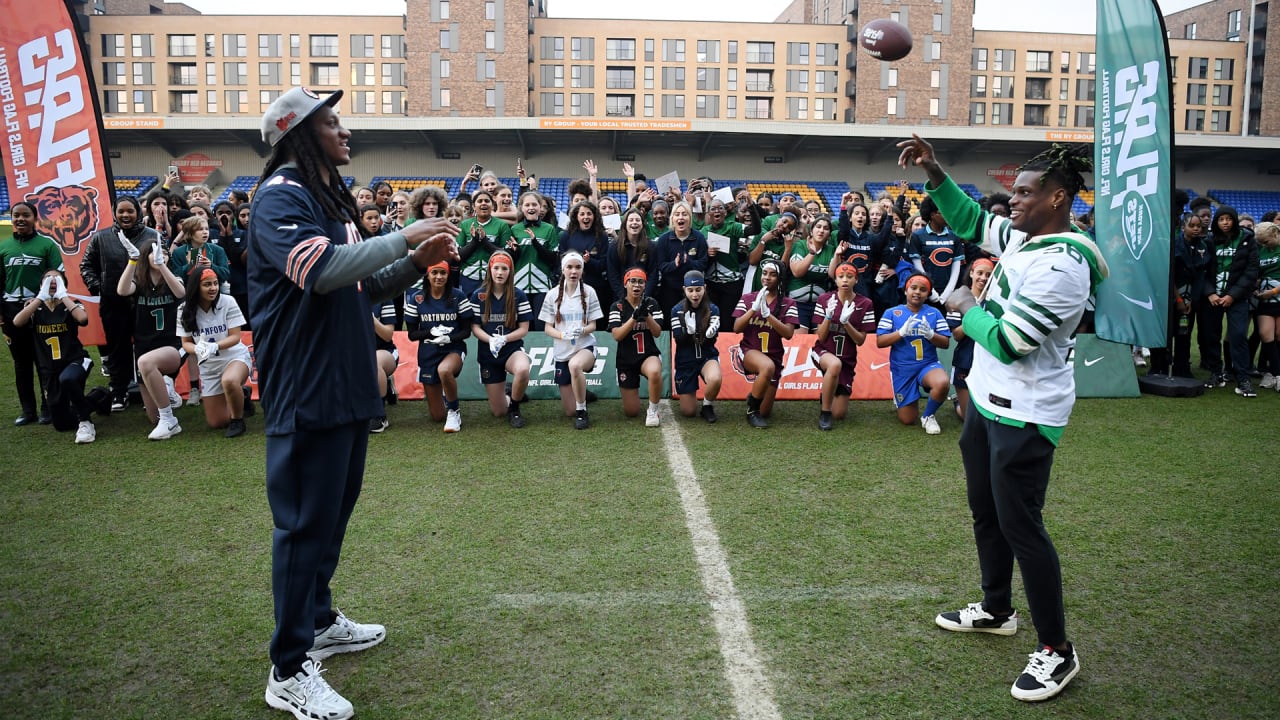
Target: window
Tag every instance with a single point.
(362, 47)
(324, 45)
(937, 22)
(891, 78)
(1195, 120)
(648, 78)
(1084, 116)
(182, 46)
(759, 52)
(798, 81)
(491, 70)
(617, 48)
(324, 74)
(935, 51)
(672, 106)
(1063, 110)
(445, 40)
(648, 106)
(1001, 113)
(211, 73)
(648, 49)
(709, 51)
(1085, 67)
(113, 74)
(1233, 25)
(731, 107)
(733, 51)
(491, 97)
(891, 106)
(673, 51)
(265, 98)
(824, 81)
(1223, 69)
(582, 104)
(144, 101)
(184, 102)
(445, 68)
(490, 10)
(144, 73)
(1189, 31)
(1001, 87)
(1002, 61)
(708, 78)
(1196, 93)
(393, 46)
(977, 86)
(362, 74)
(1064, 61)
(979, 58)
(707, 106)
(1063, 88)
(235, 73)
(295, 46)
(1085, 90)
(1220, 121)
(269, 46)
(295, 74)
(142, 46)
(211, 101)
(797, 53)
(824, 109)
(113, 101)
(443, 9)
(935, 78)
(672, 78)
(393, 103)
(234, 46)
(491, 41)
(619, 105)
(733, 79)
(393, 74)
(933, 107)
(759, 81)
(446, 97)
(620, 78)
(1221, 95)
(113, 46)
(237, 101)
(269, 73)
(826, 54)
(552, 103)
(797, 108)
(977, 113)
(582, 48)
(1038, 61)
(210, 47)
(553, 76)
(1036, 115)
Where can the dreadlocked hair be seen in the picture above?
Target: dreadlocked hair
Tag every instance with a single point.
(1064, 163)
(303, 147)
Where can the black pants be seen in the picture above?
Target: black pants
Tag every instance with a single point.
(1210, 337)
(117, 325)
(1007, 473)
(22, 346)
(66, 396)
(726, 297)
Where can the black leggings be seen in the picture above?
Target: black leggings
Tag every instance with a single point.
(22, 346)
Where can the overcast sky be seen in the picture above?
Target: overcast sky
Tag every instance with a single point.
(1023, 15)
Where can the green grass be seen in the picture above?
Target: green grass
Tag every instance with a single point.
(548, 573)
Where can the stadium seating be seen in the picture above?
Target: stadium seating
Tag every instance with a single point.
(4, 195)
(1248, 202)
(247, 183)
(134, 185)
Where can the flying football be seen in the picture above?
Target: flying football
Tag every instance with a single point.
(885, 40)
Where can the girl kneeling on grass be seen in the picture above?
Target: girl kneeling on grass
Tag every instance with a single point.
(636, 324)
(695, 324)
(501, 320)
(915, 331)
(209, 324)
(156, 294)
(765, 319)
(56, 319)
(570, 312)
(439, 319)
(841, 320)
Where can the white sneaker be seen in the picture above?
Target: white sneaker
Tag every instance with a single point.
(1268, 382)
(975, 618)
(1140, 356)
(175, 400)
(651, 418)
(453, 421)
(1047, 673)
(930, 425)
(344, 636)
(193, 397)
(86, 433)
(307, 695)
(164, 430)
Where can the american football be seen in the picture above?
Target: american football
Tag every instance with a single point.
(885, 39)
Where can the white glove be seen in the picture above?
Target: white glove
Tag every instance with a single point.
(690, 322)
(440, 335)
(833, 304)
(46, 290)
(934, 297)
(764, 306)
(924, 329)
(713, 327)
(496, 343)
(759, 304)
(440, 340)
(572, 332)
(847, 313)
(157, 254)
(908, 328)
(60, 288)
(203, 350)
(129, 247)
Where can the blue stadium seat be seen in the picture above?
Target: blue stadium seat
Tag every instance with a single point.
(1247, 202)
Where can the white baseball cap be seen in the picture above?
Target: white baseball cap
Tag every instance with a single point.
(291, 109)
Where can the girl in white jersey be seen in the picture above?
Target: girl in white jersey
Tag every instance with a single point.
(209, 324)
(570, 313)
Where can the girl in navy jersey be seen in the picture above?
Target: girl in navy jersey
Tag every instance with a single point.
(962, 358)
(695, 324)
(841, 320)
(439, 318)
(55, 319)
(157, 292)
(570, 312)
(636, 324)
(501, 320)
(915, 331)
(765, 319)
(209, 325)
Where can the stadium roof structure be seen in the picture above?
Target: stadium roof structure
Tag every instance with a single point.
(779, 141)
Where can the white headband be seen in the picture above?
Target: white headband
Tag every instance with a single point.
(571, 255)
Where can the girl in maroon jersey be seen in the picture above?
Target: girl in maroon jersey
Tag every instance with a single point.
(765, 319)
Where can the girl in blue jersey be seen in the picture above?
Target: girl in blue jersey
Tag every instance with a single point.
(157, 292)
(570, 312)
(501, 320)
(695, 325)
(439, 318)
(915, 331)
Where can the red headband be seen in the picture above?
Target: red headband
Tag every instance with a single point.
(974, 265)
(925, 278)
(442, 265)
(501, 258)
(207, 272)
(847, 268)
(635, 272)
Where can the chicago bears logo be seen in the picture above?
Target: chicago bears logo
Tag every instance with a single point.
(735, 359)
(418, 298)
(68, 214)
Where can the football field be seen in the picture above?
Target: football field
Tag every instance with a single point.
(691, 571)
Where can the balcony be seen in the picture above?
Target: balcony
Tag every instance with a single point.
(851, 89)
(754, 114)
(759, 86)
(851, 59)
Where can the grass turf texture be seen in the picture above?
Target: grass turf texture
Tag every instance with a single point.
(548, 573)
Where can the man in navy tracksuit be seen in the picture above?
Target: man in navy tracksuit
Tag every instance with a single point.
(313, 283)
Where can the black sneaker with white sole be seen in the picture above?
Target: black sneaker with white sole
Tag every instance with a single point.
(1048, 672)
(975, 618)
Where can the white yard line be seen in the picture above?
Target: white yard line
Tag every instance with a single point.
(743, 668)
